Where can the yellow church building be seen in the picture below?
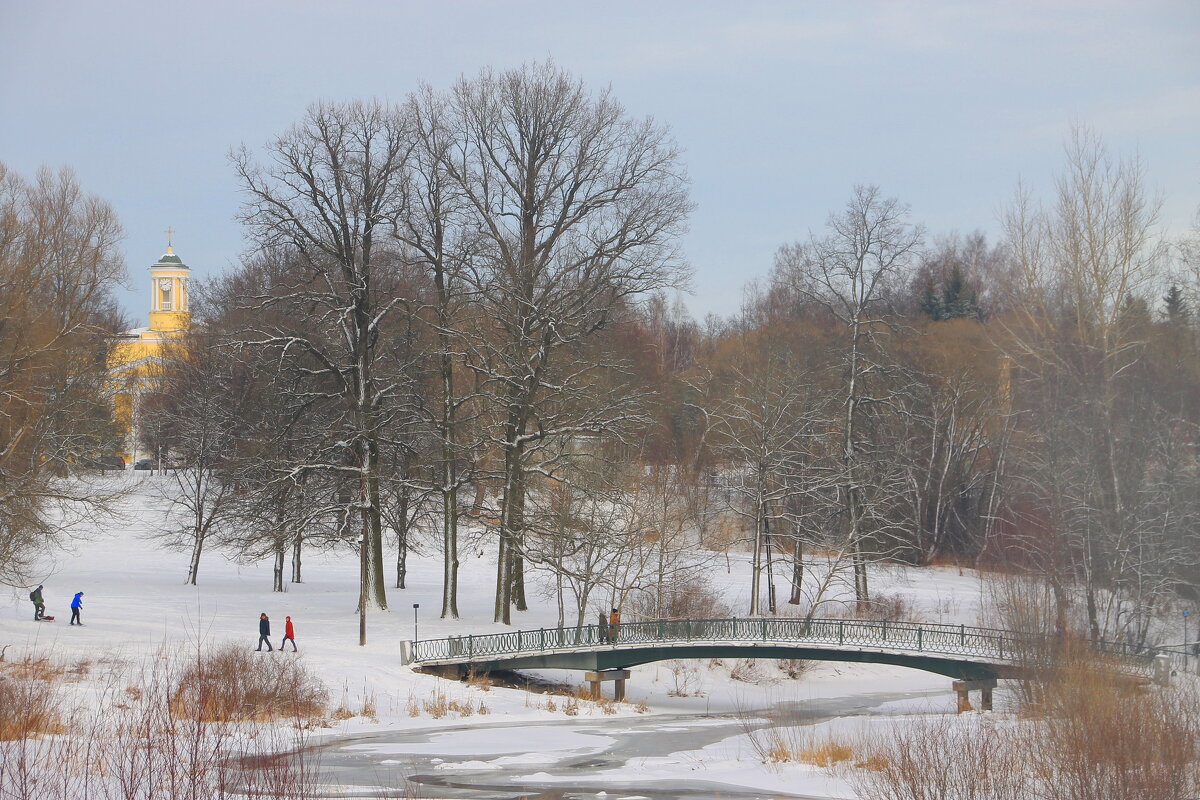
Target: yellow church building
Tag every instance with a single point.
(137, 357)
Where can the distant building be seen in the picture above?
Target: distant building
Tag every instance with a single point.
(137, 357)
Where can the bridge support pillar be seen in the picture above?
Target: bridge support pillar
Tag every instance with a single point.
(985, 687)
(596, 678)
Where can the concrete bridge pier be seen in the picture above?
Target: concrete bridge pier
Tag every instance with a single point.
(985, 687)
(618, 675)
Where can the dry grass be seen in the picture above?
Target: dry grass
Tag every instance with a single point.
(28, 708)
(482, 681)
(231, 684)
(31, 668)
(826, 754)
(133, 744)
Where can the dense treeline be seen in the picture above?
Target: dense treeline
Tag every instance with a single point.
(455, 330)
(59, 266)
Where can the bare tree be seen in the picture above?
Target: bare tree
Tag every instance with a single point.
(760, 432)
(577, 208)
(197, 417)
(437, 227)
(334, 183)
(851, 274)
(1078, 336)
(58, 265)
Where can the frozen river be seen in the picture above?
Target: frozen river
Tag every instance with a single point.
(627, 757)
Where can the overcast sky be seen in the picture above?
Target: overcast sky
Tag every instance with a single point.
(781, 107)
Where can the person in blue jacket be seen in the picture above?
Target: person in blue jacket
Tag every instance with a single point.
(264, 631)
(76, 607)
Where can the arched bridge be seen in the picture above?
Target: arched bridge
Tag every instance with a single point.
(958, 651)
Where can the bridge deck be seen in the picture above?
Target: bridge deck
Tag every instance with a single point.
(958, 651)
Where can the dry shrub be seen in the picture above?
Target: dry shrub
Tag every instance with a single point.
(571, 707)
(943, 758)
(688, 599)
(747, 670)
(798, 744)
(888, 608)
(794, 667)
(1092, 739)
(28, 708)
(685, 679)
(642, 707)
(132, 745)
(230, 684)
(1097, 739)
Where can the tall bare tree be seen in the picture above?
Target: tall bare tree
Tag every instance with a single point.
(437, 227)
(577, 208)
(331, 187)
(852, 273)
(1077, 335)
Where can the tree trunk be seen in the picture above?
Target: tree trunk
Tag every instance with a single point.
(518, 579)
(402, 542)
(280, 552)
(797, 572)
(767, 550)
(194, 564)
(296, 545)
(364, 586)
(378, 574)
(511, 522)
(449, 460)
(756, 558)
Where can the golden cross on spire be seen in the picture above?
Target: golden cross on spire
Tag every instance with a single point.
(170, 232)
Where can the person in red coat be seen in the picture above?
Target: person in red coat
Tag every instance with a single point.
(289, 635)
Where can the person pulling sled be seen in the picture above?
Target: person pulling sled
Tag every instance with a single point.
(39, 604)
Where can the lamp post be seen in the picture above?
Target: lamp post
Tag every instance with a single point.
(415, 607)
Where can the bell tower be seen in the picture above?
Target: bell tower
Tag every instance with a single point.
(169, 311)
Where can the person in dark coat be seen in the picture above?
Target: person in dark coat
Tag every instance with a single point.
(39, 605)
(289, 634)
(76, 607)
(614, 624)
(602, 628)
(264, 632)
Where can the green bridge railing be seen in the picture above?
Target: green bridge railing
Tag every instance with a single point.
(987, 645)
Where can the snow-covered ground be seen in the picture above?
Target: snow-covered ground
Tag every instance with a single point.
(136, 603)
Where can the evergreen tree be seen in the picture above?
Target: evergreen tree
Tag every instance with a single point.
(1176, 305)
(931, 304)
(958, 299)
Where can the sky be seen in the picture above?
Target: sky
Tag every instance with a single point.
(780, 107)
